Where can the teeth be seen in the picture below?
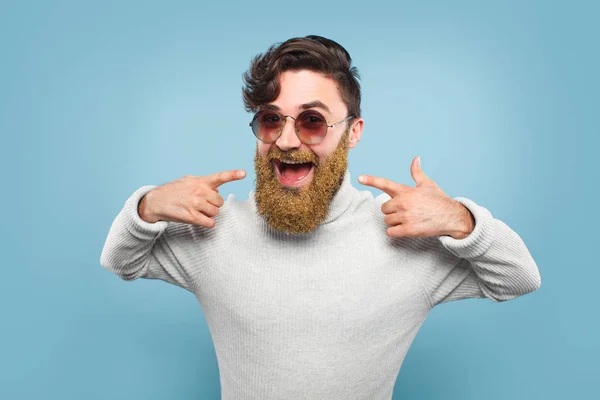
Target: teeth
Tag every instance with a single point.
(295, 162)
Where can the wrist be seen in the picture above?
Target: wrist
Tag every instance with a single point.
(465, 223)
(145, 212)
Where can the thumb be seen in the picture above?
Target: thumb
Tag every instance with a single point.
(417, 173)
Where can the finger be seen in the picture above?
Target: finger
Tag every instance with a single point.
(218, 179)
(418, 175)
(389, 187)
(406, 230)
(397, 231)
(214, 198)
(394, 219)
(389, 206)
(206, 208)
(203, 220)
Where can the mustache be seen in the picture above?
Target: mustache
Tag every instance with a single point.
(292, 156)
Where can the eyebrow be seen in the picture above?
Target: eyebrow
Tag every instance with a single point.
(305, 106)
(315, 104)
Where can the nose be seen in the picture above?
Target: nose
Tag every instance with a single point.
(288, 139)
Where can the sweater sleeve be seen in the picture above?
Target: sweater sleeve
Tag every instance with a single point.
(492, 262)
(135, 248)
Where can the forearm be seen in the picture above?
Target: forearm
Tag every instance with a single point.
(503, 264)
(131, 238)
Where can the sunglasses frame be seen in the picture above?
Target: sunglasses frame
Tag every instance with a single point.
(284, 120)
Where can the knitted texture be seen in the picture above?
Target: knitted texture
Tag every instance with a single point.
(325, 315)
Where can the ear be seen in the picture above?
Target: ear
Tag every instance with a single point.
(356, 132)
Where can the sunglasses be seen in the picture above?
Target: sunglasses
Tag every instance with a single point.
(310, 126)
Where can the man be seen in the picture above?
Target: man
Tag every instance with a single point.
(311, 288)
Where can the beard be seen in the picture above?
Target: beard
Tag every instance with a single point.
(299, 209)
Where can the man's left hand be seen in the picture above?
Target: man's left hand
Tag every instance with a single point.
(421, 211)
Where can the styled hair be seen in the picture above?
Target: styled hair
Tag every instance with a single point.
(315, 53)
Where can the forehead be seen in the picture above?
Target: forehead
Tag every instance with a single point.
(304, 86)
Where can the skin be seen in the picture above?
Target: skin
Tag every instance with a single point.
(303, 87)
(421, 211)
(301, 207)
(189, 199)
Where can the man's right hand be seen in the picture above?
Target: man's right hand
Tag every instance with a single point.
(190, 200)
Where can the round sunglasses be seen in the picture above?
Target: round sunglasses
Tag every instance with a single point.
(310, 126)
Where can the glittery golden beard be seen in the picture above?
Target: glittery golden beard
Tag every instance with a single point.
(299, 210)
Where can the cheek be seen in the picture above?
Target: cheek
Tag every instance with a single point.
(322, 150)
(263, 148)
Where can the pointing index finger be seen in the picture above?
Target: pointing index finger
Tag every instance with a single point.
(389, 187)
(220, 178)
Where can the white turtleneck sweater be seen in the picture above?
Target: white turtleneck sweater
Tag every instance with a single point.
(325, 315)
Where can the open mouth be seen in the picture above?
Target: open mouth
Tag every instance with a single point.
(293, 173)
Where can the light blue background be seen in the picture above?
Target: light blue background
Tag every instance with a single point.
(500, 100)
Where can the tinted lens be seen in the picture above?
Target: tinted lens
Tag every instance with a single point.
(311, 126)
(266, 125)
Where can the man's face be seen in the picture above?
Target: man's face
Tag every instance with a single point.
(295, 198)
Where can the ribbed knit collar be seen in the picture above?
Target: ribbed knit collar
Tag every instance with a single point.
(340, 202)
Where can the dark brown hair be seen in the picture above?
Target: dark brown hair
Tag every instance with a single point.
(315, 53)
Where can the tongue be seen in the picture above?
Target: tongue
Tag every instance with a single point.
(295, 172)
